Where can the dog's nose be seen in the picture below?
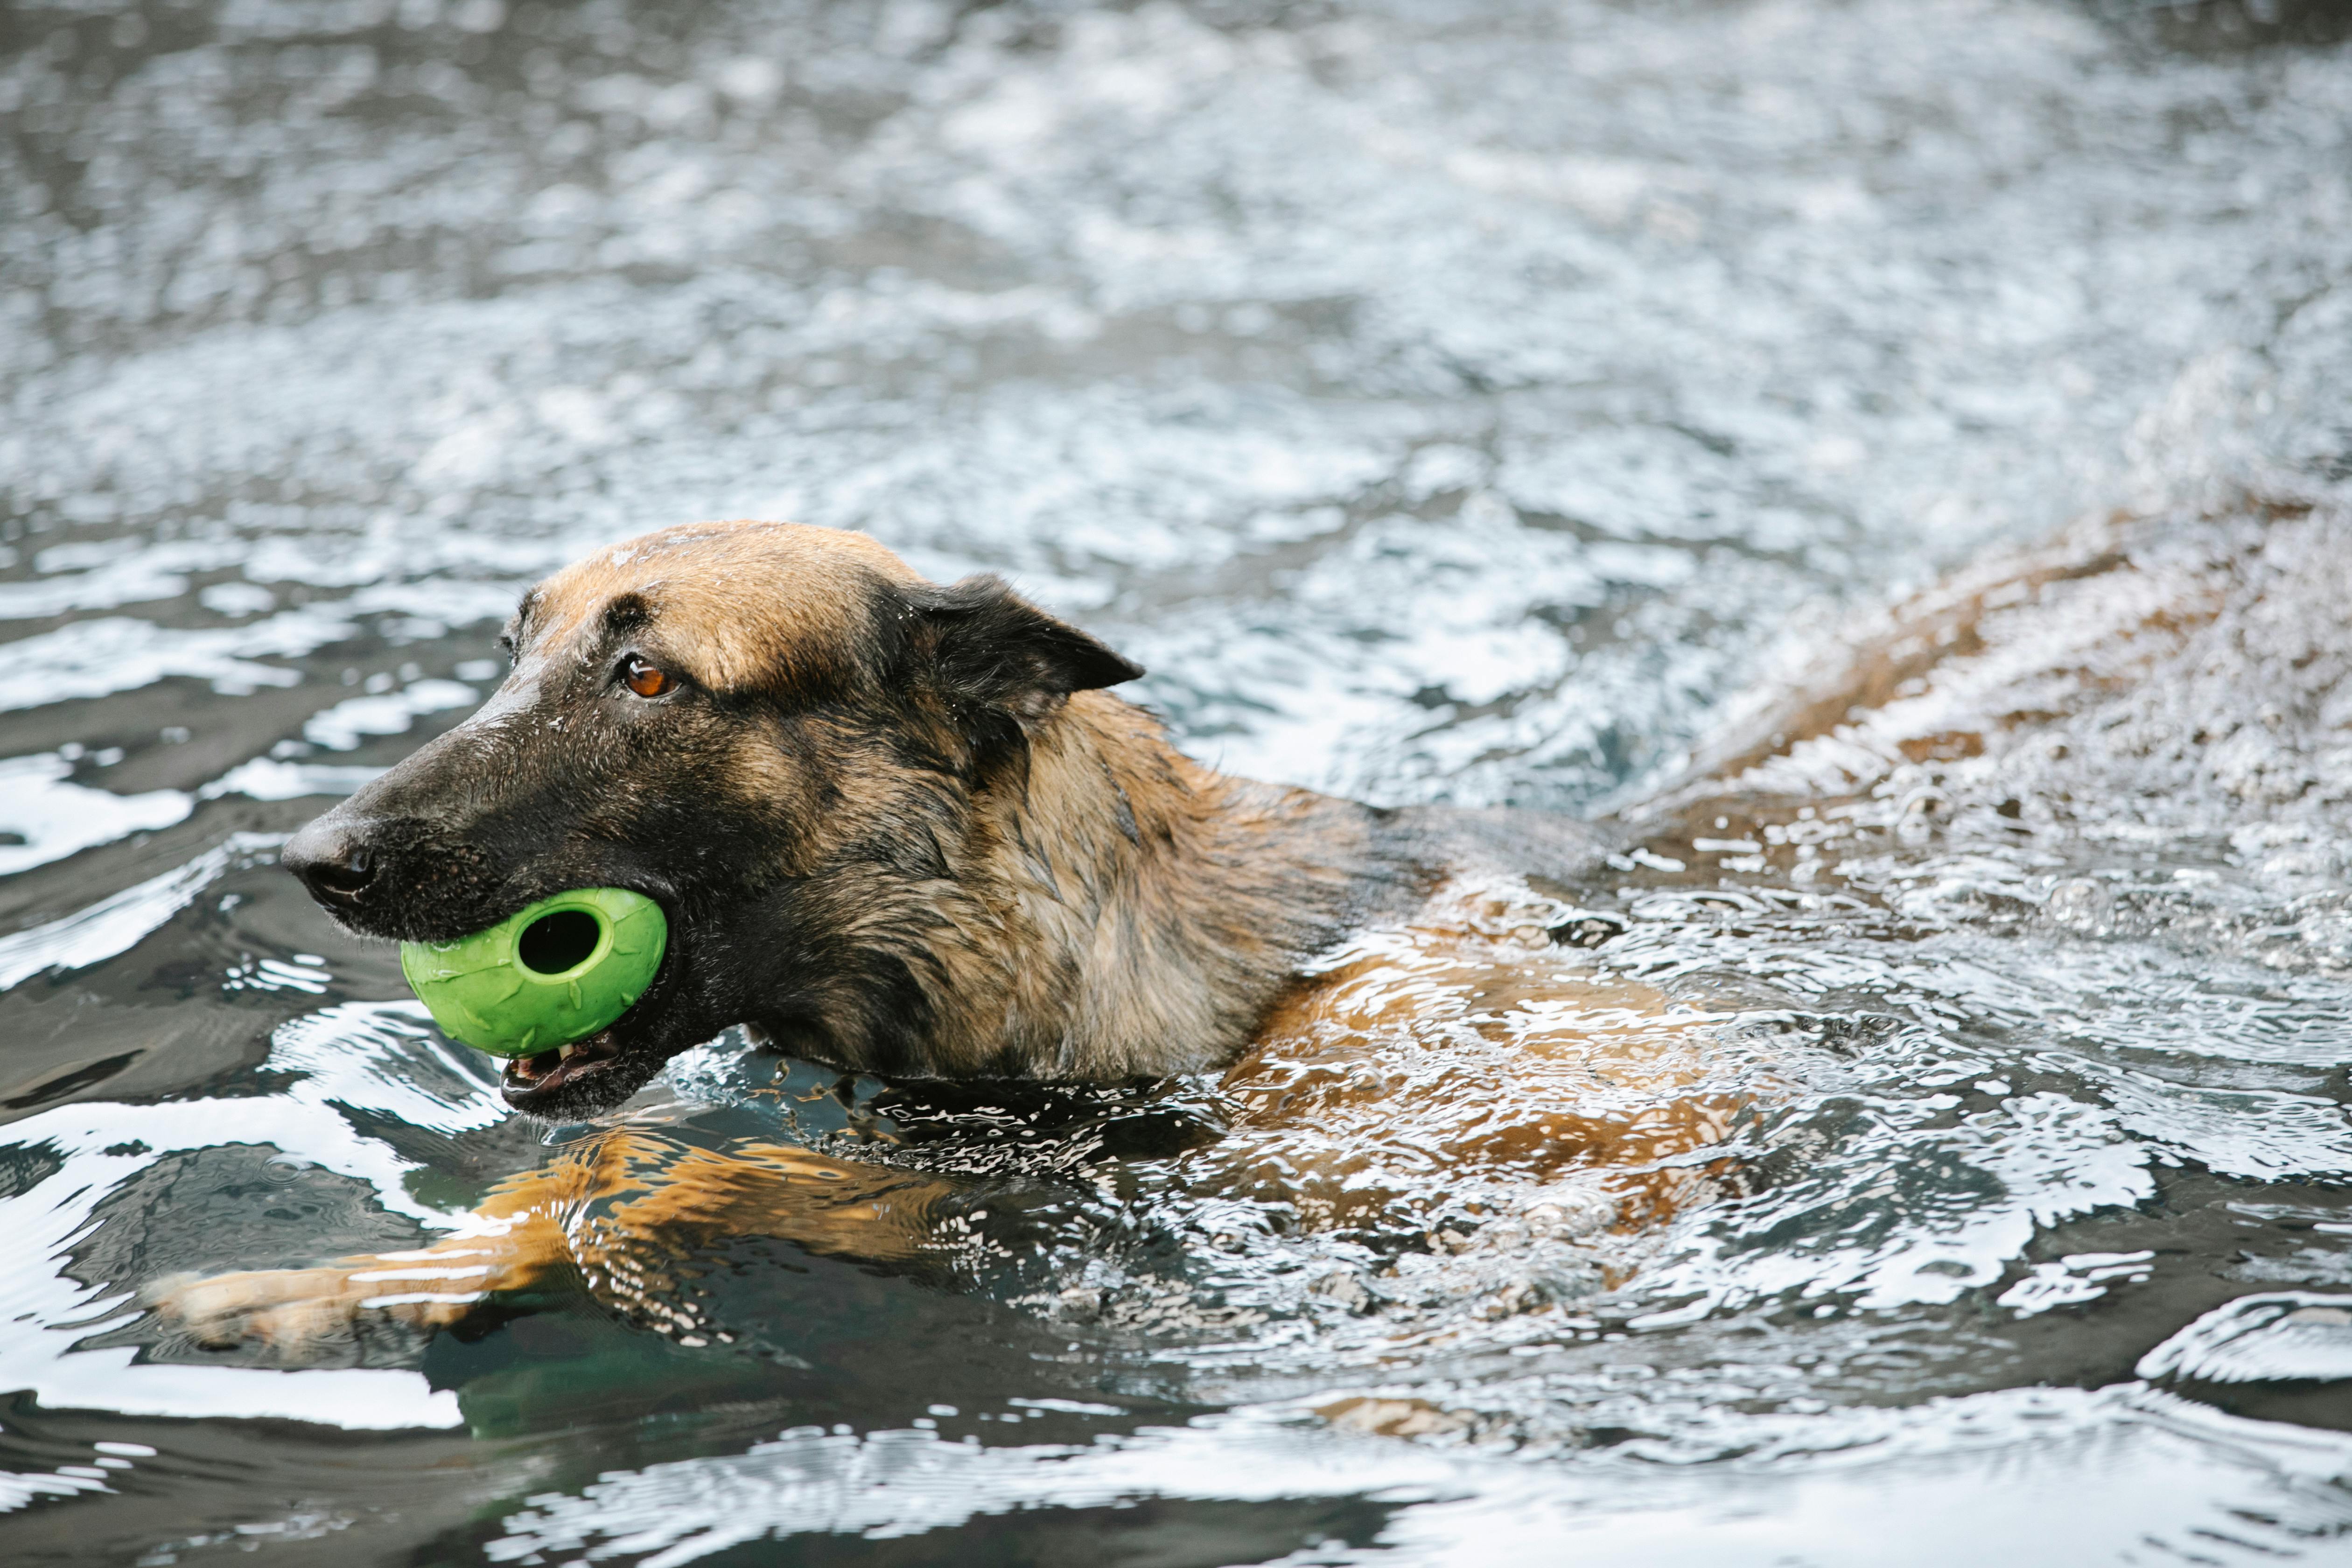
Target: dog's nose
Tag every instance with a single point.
(332, 860)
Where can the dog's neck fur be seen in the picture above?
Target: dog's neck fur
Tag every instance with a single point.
(1117, 909)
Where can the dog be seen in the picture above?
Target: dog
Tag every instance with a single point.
(897, 829)
(905, 829)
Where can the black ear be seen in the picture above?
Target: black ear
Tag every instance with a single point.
(990, 649)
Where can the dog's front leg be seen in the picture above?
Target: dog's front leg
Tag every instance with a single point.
(620, 1209)
(295, 1310)
(515, 1239)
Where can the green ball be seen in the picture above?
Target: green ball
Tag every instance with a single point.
(552, 973)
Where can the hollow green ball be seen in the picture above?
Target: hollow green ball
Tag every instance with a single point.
(484, 990)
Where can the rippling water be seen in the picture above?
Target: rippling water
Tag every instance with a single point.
(1927, 1143)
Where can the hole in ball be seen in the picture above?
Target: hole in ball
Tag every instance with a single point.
(553, 943)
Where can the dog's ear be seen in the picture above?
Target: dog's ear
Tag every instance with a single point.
(988, 649)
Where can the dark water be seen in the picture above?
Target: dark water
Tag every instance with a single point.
(1472, 402)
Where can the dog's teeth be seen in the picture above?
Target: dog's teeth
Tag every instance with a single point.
(565, 1054)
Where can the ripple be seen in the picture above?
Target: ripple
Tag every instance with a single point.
(1487, 404)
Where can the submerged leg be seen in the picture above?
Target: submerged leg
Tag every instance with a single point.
(620, 1210)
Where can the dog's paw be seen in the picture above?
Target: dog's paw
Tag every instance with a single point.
(286, 1309)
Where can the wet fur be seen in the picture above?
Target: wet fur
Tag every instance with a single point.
(618, 1213)
(898, 828)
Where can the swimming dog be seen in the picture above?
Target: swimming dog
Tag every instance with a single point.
(904, 830)
(897, 828)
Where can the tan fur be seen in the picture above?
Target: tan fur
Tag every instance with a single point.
(1124, 913)
(1112, 956)
(744, 604)
(620, 1210)
(1054, 936)
(1462, 1048)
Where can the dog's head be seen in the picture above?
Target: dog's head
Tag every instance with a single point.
(777, 732)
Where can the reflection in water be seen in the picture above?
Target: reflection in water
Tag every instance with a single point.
(1429, 1073)
(1928, 1139)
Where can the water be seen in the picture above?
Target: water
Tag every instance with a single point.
(1931, 1146)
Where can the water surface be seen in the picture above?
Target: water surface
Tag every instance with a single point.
(1487, 404)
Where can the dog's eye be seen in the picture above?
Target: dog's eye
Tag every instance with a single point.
(646, 679)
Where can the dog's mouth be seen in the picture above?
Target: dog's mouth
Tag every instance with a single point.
(529, 1079)
(546, 1083)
